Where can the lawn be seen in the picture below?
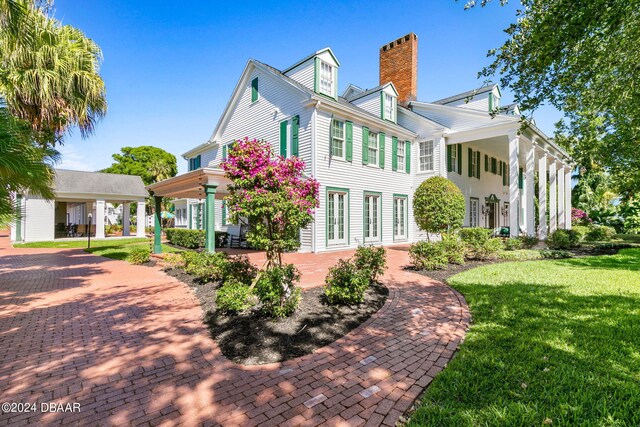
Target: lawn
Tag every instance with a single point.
(551, 343)
(120, 251)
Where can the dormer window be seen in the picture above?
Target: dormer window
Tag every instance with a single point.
(388, 107)
(326, 79)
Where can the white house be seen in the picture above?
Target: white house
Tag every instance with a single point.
(78, 194)
(370, 149)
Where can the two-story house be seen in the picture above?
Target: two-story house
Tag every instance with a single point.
(370, 149)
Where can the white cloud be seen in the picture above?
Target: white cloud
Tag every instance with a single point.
(74, 159)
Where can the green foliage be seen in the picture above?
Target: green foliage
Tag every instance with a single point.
(139, 256)
(513, 244)
(193, 239)
(277, 291)
(233, 297)
(173, 261)
(555, 254)
(600, 233)
(239, 269)
(204, 266)
(454, 248)
(371, 259)
(428, 255)
(479, 244)
(563, 239)
(581, 230)
(438, 205)
(346, 283)
(529, 241)
(519, 255)
(152, 164)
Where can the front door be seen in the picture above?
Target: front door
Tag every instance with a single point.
(492, 215)
(336, 218)
(400, 218)
(371, 217)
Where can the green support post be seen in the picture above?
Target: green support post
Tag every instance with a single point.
(209, 218)
(157, 231)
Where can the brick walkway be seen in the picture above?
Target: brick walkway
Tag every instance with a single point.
(129, 345)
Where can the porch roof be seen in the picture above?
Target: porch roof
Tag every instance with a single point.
(190, 185)
(90, 185)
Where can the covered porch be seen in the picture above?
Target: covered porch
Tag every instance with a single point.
(205, 183)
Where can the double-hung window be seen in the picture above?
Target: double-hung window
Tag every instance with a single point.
(401, 157)
(454, 159)
(373, 148)
(326, 79)
(426, 156)
(388, 107)
(337, 139)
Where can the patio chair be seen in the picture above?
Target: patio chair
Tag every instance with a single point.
(81, 229)
(240, 239)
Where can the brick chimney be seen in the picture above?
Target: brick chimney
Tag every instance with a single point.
(399, 65)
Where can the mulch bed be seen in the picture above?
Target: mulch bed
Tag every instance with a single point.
(252, 339)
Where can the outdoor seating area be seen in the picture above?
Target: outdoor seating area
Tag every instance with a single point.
(74, 230)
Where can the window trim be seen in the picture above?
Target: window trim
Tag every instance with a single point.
(377, 148)
(388, 106)
(433, 165)
(477, 200)
(406, 216)
(326, 216)
(378, 195)
(331, 79)
(401, 166)
(344, 140)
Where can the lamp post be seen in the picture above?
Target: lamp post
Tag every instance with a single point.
(89, 232)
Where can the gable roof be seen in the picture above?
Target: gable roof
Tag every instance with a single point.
(308, 57)
(467, 94)
(373, 90)
(70, 181)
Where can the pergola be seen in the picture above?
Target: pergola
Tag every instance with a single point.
(207, 183)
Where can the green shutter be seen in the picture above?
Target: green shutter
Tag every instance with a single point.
(224, 212)
(295, 130)
(283, 138)
(348, 134)
(505, 174)
(486, 163)
(460, 159)
(381, 149)
(382, 105)
(331, 137)
(254, 90)
(449, 158)
(521, 179)
(407, 154)
(478, 165)
(490, 102)
(365, 145)
(470, 162)
(316, 75)
(224, 152)
(394, 153)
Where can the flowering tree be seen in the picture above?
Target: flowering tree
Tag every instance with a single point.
(579, 217)
(272, 194)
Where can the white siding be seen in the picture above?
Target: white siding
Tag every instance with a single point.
(478, 102)
(39, 220)
(369, 103)
(304, 73)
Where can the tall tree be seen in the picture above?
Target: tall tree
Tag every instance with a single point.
(152, 164)
(582, 57)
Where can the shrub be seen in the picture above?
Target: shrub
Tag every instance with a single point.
(438, 205)
(582, 230)
(519, 255)
(563, 239)
(172, 261)
(193, 239)
(277, 292)
(454, 248)
(529, 241)
(204, 266)
(139, 256)
(233, 297)
(555, 254)
(371, 259)
(346, 283)
(428, 255)
(238, 268)
(478, 243)
(512, 244)
(600, 233)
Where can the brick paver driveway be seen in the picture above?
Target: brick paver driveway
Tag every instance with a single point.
(129, 345)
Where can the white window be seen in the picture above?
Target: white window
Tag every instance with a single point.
(388, 106)
(337, 214)
(401, 156)
(454, 159)
(426, 156)
(372, 221)
(337, 139)
(400, 218)
(474, 164)
(326, 78)
(473, 212)
(373, 148)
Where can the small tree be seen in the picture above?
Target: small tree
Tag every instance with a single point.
(438, 205)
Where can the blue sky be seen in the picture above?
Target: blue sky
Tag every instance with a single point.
(170, 67)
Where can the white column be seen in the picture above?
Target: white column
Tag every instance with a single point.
(442, 151)
(140, 220)
(567, 196)
(553, 198)
(513, 184)
(125, 219)
(99, 219)
(542, 196)
(561, 199)
(530, 191)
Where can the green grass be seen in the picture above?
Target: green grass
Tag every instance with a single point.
(551, 341)
(122, 251)
(69, 244)
(629, 238)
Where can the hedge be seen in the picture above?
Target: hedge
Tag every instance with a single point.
(193, 239)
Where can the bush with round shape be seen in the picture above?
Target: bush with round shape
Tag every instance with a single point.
(428, 255)
(139, 256)
(371, 259)
(480, 245)
(438, 205)
(454, 248)
(205, 267)
(582, 230)
(346, 283)
(600, 233)
(512, 244)
(233, 297)
(277, 291)
(563, 239)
